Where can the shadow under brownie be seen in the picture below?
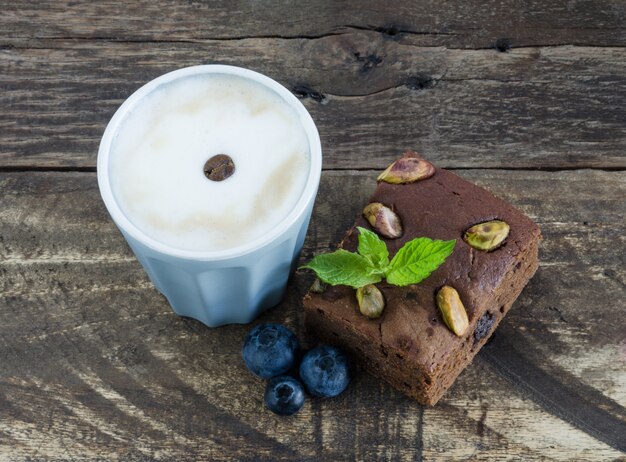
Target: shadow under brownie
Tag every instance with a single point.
(409, 345)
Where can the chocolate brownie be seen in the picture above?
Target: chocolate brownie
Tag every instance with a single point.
(410, 346)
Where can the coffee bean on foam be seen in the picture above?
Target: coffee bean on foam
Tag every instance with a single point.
(159, 154)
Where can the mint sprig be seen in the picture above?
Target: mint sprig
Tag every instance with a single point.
(413, 263)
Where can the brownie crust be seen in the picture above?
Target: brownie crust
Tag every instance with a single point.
(409, 345)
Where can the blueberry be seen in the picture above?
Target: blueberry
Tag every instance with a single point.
(270, 350)
(325, 371)
(483, 326)
(284, 395)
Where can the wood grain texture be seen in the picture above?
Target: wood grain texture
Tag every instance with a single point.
(371, 97)
(96, 366)
(471, 24)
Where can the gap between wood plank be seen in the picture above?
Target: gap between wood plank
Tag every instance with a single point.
(397, 36)
(92, 169)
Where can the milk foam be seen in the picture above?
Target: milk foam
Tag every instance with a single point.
(158, 155)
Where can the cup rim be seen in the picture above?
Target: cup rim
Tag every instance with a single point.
(308, 193)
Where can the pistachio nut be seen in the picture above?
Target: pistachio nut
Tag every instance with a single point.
(407, 170)
(371, 301)
(318, 286)
(452, 310)
(383, 219)
(488, 235)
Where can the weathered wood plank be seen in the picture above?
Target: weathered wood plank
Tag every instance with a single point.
(470, 24)
(485, 421)
(95, 365)
(558, 107)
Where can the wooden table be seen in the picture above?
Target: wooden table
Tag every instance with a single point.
(525, 98)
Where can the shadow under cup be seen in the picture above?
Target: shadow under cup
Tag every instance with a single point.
(225, 286)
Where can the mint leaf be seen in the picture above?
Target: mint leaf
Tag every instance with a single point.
(373, 248)
(417, 259)
(344, 268)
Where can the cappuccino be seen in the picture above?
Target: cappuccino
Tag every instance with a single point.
(209, 162)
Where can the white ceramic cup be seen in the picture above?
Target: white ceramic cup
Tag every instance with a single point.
(225, 286)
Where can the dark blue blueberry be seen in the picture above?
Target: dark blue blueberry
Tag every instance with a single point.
(284, 395)
(270, 350)
(325, 371)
